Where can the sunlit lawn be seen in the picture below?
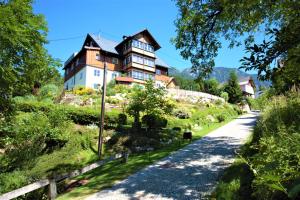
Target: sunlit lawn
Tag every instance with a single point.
(110, 173)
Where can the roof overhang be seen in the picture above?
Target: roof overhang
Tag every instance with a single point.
(144, 32)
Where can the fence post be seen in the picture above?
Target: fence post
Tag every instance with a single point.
(52, 193)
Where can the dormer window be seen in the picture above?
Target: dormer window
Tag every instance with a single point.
(77, 61)
(72, 66)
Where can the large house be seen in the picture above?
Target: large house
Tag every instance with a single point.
(248, 87)
(131, 61)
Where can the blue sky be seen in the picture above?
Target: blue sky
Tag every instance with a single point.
(71, 20)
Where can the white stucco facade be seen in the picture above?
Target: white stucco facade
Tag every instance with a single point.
(90, 77)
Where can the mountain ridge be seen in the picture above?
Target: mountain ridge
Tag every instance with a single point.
(221, 74)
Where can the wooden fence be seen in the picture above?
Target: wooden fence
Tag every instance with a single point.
(52, 193)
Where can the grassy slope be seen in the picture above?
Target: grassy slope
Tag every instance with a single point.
(112, 172)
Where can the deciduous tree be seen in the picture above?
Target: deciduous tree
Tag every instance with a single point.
(23, 58)
(201, 25)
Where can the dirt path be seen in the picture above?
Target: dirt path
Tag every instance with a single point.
(190, 173)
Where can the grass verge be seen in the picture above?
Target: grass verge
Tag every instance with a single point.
(109, 174)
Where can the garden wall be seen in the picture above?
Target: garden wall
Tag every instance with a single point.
(192, 96)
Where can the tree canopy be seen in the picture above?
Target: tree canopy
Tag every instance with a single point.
(24, 61)
(201, 25)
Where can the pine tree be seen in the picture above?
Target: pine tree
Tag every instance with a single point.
(233, 89)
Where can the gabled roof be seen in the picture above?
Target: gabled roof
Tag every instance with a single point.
(145, 31)
(246, 80)
(105, 44)
(110, 46)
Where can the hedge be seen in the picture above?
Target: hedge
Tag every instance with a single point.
(82, 116)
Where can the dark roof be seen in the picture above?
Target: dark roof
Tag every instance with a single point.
(161, 63)
(110, 46)
(105, 44)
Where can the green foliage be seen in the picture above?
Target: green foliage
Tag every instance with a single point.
(122, 119)
(154, 122)
(225, 96)
(221, 118)
(181, 114)
(211, 86)
(11, 181)
(28, 135)
(49, 91)
(24, 60)
(187, 84)
(200, 25)
(233, 89)
(83, 116)
(151, 101)
(273, 155)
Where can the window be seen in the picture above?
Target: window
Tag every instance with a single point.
(158, 71)
(98, 56)
(77, 61)
(142, 45)
(115, 60)
(114, 75)
(72, 66)
(138, 75)
(67, 71)
(81, 75)
(127, 60)
(96, 86)
(96, 72)
(142, 60)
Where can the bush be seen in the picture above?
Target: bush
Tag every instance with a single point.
(154, 122)
(274, 152)
(181, 114)
(49, 91)
(83, 116)
(122, 119)
(237, 110)
(81, 90)
(221, 118)
(11, 181)
(219, 102)
(225, 96)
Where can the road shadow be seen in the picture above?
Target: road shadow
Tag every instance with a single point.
(189, 173)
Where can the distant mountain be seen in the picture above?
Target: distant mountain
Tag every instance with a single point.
(221, 74)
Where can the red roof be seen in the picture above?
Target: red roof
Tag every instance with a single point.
(124, 79)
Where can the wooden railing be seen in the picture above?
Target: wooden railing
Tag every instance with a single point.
(52, 192)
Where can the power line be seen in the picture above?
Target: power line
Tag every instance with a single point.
(67, 38)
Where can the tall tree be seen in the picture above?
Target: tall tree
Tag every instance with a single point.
(233, 89)
(23, 58)
(201, 24)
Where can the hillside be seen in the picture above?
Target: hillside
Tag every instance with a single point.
(221, 74)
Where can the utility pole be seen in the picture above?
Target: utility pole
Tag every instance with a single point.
(101, 128)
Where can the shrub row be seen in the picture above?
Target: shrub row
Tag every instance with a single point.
(82, 116)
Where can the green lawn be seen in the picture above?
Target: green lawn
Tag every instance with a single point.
(109, 174)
